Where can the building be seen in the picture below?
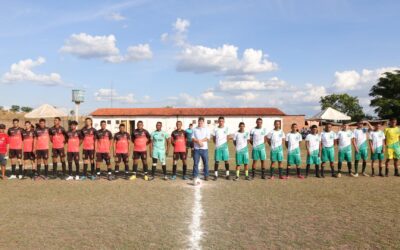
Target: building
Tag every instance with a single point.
(168, 116)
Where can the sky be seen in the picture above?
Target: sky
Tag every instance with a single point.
(209, 53)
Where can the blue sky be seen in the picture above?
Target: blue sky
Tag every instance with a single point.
(280, 53)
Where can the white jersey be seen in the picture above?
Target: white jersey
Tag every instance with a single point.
(201, 133)
(377, 138)
(241, 140)
(220, 135)
(345, 138)
(313, 142)
(361, 136)
(258, 136)
(293, 140)
(276, 137)
(328, 139)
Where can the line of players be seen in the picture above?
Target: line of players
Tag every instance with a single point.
(98, 145)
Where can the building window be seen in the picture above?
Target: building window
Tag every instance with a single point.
(208, 121)
(108, 121)
(194, 122)
(117, 122)
(215, 121)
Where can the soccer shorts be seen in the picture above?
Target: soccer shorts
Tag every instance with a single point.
(393, 151)
(58, 152)
(42, 154)
(345, 154)
(103, 157)
(29, 156)
(88, 154)
(159, 155)
(277, 154)
(328, 154)
(179, 155)
(313, 158)
(258, 153)
(377, 156)
(362, 153)
(15, 153)
(242, 157)
(72, 156)
(122, 157)
(222, 153)
(140, 155)
(294, 157)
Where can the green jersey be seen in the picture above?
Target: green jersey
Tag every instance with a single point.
(159, 138)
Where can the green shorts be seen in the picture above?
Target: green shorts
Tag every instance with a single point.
(222, 153)
(277, 154)
(242, 157)
(294, 157)
(313, 158)
(377, 156)
(159, 155)
(345, 154)
(258, 153)
(362, 154)
(328, 154)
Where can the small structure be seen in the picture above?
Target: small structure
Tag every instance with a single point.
(45, 111)
(330, 114)
(78, 96)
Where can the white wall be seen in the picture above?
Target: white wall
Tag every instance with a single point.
(169, 123)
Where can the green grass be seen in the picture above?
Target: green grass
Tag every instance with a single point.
(308, 214)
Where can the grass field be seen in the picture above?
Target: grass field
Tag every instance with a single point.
(309, 214)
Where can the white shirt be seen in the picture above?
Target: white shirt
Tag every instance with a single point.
(360, 135)
(328, 139)
(200, 133)
(276, 137)
(293, 140)
(258, 136)
(241, 140)
(313, 142)
(344, 138)
(220, 135)
(377, 138)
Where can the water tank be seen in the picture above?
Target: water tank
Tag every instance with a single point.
(78, 95)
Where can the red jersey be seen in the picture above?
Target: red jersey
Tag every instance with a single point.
(89, 136)
(140, 139)
(57, 137)
(73, 140)
(42, 136)
(122, 142)
(179, 140)
(103, 140)
(15, 137)
(27, 137)
(4, 140)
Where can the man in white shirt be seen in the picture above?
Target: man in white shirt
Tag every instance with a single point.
(201, 136)
(345, 138)
(376, 142)
(313, 146)
(220, 137)
(241, 139)
(328, 139)
(361, 147)
(275, 139)
(293, 140)
(257, 140)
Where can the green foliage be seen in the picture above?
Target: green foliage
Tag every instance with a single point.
(26, 109)
(386, 95)
(344, 103)
(15, 108)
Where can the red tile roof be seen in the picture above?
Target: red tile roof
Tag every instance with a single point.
(187, 112)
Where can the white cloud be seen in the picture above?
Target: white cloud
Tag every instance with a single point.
(23, 72)
(273, 83)
(112, 95)
(115, 16)
(180, 28)
(181, 25)
(310, 93)
(247, 96)
(104, 47)
(353, 80)
(224, 59)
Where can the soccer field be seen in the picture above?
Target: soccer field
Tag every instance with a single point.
(312, 213)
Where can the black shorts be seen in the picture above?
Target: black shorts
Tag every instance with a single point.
(103, 157)
(121, 157)
(179, 155)
(58, 152)
(29, 156)
(72, 156)
(88, 154)
(140, 155)
(190, 144)
(42, 154)
(15, 153)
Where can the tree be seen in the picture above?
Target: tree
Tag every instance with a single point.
(344, 103)
(26, 109)
(386, 95)
(14, 108)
